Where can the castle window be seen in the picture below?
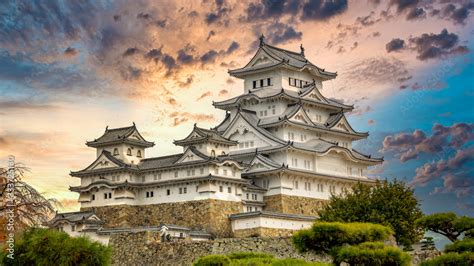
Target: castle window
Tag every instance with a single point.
(254, 84)
(295, 184)
(201, 171)
(247, 196)
(221, 189)
(261, 83)
(176, 174)
(233, 173)
(129, 152)
(93, 196)
(108, 195)
(180, 190)
(185, 190)
(149, 194)
(116, 151)
(157, 176)
(269, 81)
(139, 154)
(229, 189)
(225, 171)
(168, 192)
(73, 228)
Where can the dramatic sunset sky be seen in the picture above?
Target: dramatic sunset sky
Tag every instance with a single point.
(70, 68)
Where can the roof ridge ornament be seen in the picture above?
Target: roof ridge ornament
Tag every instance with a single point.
(302, 50)
(262, 38)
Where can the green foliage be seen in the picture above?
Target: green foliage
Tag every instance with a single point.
(465, 245)
(253, 259)
(391, 204)
(38, 246)
(371, 254)
(248, 255)
(324, 236)
(213, 260)
(451, 259)
(447, 224)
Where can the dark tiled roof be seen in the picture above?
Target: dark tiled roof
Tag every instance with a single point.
(74, 217)
(119, 135)
(205, 135)
(282, 57)
(273, 93)
(120, 165)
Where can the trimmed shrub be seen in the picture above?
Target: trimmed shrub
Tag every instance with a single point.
(465, 245)
(451, 259)
(371, 254)
(38, 246)
(249, 255)
(253, 259)
(213, 260)
(324, 236)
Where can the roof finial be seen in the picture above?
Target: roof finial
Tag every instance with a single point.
(261, 40)
(302, 50)
(133, 123)
(106, 128)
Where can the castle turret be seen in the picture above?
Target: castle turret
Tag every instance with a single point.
(125, 144)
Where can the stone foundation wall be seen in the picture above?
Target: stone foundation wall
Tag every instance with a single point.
(293, 204)
(210, 215)
(263, 232)
(138, 249)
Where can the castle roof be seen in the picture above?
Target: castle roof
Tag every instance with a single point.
(87, 217)
(269, 94)
(200, 135)
(279, 58)
(127, 184)
(120, 135)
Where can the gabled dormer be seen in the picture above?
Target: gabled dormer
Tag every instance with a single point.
(209, 142)
(275, 68)
(125, 143)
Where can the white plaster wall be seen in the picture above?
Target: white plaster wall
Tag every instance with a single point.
(269, 222)
(275, 76)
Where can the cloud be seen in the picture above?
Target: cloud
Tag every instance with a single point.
(210, 34)
(233, 47)
(209, 57)
(449, 168)
(368, 20)
(182, 117)
(267, 9)
(279, 33)
(431, 46)
(223, 92)
(404, 5)
(395, 45)
(204, 95)
(187, 83)
(70, 51)
(377, 70)
(131, 51)
(416, 13)
(220, 13)
(458, 14)
(409, 146)
(323, 9)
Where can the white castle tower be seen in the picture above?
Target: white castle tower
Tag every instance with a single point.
(282, 149)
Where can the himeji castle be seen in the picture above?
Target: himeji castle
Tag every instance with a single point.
(282, 149)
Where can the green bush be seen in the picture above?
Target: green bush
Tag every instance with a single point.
(465, 245)
(324, 236)
(371, 254)
(253, 259)
(213, 260)
(451, 259)
(248, 255)
(38, 246)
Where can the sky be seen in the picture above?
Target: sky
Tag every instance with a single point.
(68, 69)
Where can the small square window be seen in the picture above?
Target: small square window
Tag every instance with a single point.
(221, 189)
(229, 189)
(254, 84)
(168, 192)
